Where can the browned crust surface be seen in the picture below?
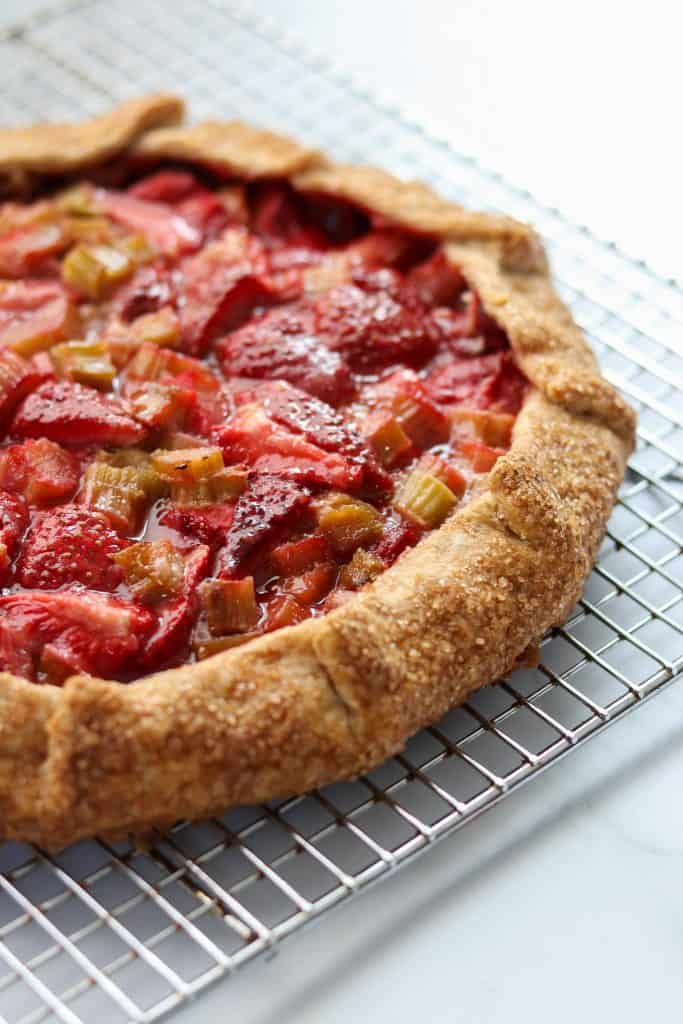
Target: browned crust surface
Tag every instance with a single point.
(332, 697)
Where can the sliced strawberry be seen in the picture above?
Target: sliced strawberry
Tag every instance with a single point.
(479, 382)
(165, 186)
(49, 636)
(278, 216)
(150, 289)
(311, 586)
(35, 315)
(39, 470)
(295, 556)
(169, 233)
(374, 328)
(397, 535)
(388, 247)
(70, 544)
(176, 615)
(284, 611)
(436, 281)
(75, 415)
(222, 285)
(206, 213)
(252, 437)
(280, 345)
(268, 504)
(23, 249)
(323, 426)
(13, 523)
(17, 378)
(209, 524)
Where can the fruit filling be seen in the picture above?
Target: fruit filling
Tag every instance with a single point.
(224, 409)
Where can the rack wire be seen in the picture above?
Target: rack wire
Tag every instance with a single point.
(127, 933)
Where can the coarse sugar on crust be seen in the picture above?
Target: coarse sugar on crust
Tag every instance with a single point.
(333, 696)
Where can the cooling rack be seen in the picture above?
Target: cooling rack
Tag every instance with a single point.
(122, 933)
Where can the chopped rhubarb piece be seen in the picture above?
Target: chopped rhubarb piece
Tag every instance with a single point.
(160, 328)
(154, 363)
(86, 632)
(311, 586)
(224, 485)
(95, 270)
(284, 611)
(374, 328)
(167, 232)
(295, 556)
(165, 186)
(222, 285)
(35, 315)
(170, 641)
(86, 362)
(40, 470)
(493, 428)
(280, 345)
(153, 570)
(252, 437)
(348, 523)
(445, 472)
(482, 457)
(17, 378)
(436, 281)
(141, 461)
(24, 249)
(426, 499)
(13, 523)
(119, 492)
(70, 544)
(230, 606)
(206, 648)
(419, 417)
(159, 406)
(73, 414)
(388, 439)
(187, 467)
(268, 503)
(209, 524)
(364, 567)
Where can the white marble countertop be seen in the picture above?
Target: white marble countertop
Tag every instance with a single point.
(565, 902)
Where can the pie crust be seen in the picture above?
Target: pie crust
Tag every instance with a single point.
(334, 696)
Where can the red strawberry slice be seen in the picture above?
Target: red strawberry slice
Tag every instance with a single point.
(470, 382)
(39, 470)
(35, 314)
(70, 545)
(149, 290)
(205, 212)
(75, 415)
(209, 524)
(222, 285)
(17, 377)
(168, 644)
(323, 426)
(281, 345)
(13, 523)
(165, 187)
(49, 636)
(165, 229)
(278, 216)
(436, 281)
(252, 437)
(374, 328)
(397, 535)
(24, 249)
(268, 504)
(509, 388)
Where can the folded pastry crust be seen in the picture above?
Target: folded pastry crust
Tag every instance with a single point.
(333, 696)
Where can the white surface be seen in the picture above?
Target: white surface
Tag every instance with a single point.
(565, 902)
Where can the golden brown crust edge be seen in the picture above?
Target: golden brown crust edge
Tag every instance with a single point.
(334, 696)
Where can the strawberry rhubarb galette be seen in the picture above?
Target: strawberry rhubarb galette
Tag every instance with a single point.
(293, 457)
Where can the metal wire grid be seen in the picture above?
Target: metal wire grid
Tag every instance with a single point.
(129, 933)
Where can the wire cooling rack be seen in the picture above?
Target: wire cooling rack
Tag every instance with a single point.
(125, 934)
